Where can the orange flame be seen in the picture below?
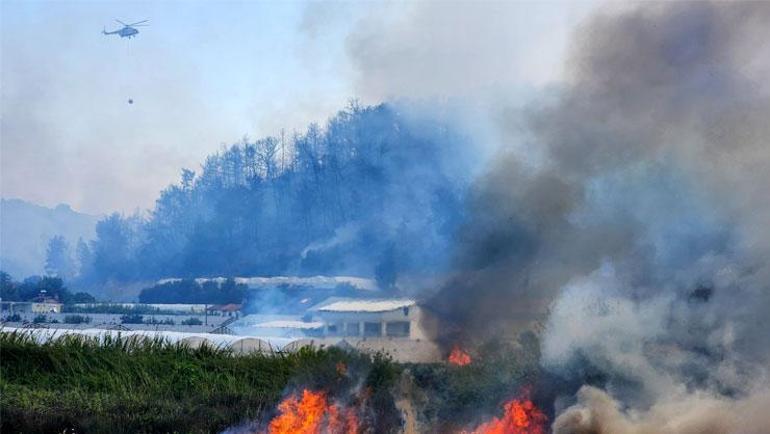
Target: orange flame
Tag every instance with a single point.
(459, 357)
(312, 414)
(521, 416)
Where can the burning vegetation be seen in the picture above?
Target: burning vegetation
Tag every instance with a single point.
(458, 357)
(647, 185)
(520, 416)
(311, 413)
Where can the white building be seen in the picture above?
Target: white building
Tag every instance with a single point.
(370, 318)
(42, 306)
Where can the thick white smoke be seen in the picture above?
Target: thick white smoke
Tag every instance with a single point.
(632, 196)
(664, 129)
(698, 413)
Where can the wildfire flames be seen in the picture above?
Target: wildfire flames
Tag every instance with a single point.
(311, 413)
(521, 416)
(459, 357)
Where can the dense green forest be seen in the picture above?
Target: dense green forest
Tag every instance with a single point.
(372, 193)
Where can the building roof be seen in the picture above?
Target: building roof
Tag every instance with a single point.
(46, 300)
(177, 307)
(364, 305)
(360, 283)
(289, 324)
(231, 307)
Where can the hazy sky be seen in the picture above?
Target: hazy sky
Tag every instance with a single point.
(204, 74)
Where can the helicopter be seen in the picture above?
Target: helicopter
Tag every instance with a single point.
(128, 30)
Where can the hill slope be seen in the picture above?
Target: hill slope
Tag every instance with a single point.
(25, 229)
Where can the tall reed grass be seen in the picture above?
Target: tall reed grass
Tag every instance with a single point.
(119, 385)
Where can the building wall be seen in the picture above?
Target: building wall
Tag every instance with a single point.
(391, 324)
(12, 307)
(46, 307)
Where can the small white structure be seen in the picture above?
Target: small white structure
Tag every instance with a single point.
(370, 318)
(43, 306)
(47, 306)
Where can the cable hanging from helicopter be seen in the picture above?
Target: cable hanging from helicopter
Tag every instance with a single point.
(127, 31)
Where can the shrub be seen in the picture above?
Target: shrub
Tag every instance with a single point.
(81, 297)
(190, 291)
(39, 319)
(167, 321)
(13, 318)
(132, 319)
(192, 321)
(77, 319)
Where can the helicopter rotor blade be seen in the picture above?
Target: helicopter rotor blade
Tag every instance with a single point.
(121, 22)
(139, 22)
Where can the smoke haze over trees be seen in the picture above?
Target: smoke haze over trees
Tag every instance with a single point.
(643, 226)
(58, 260)
(39, 287)
(372, 194)
(26, 229)
(630, 200)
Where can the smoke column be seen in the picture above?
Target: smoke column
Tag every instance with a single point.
(639, 219)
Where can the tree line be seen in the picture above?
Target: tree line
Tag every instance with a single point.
(373, 193)
(190, 291)
(36, 287)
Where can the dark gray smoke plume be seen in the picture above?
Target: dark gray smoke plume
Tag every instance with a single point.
(642, 222)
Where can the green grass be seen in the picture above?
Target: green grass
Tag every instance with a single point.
(153, 386)
(450, 397)
(138, 386)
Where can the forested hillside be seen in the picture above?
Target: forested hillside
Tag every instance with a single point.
(372, 193)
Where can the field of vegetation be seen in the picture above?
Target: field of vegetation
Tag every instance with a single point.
(123, 386)
(143, 386)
